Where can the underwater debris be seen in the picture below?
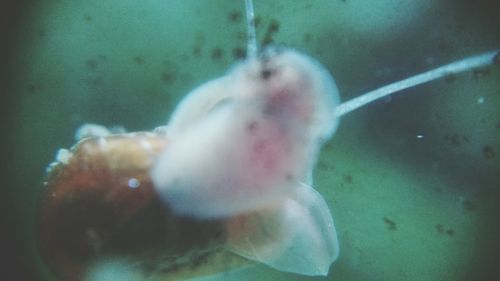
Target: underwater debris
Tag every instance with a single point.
(139, 59)
(91, 63)
(450, 78)
(391, 225)
(468, 205)
(456, 139)
(235, 16)
(87, 18)
(323, 165)
(479, 73)
(307, 38)
(169, 77)
(272, 28)
(239, 53)
(488, 152)
(441, 229)
(348, 178)
(217, 53)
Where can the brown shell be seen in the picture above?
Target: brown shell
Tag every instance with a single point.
(89, 211)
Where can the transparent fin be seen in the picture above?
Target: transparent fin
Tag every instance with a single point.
(296, 236)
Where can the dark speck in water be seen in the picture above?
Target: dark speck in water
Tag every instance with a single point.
(308, 5)
(257, 21)
(239, 53)
(488, 152)
(456, 139)
(469, 205)
(441, 229)
(139, 59)
(168, 77)
(348, 178)
(234, 16)
(197, 51)
(91, 63)
(450, 78)
(322, 165)
(199, 43)
(87, 18)
(444, 47)
(391, 225)
(272, 28)
(478, 73)
(31, 87)
(217, 53)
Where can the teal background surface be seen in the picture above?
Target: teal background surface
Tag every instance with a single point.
(405, 207)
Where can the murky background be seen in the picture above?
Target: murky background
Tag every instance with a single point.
(413, 181)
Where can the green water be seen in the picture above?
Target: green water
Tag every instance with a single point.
(405, 208)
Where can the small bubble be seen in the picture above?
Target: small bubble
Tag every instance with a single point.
(133, 183)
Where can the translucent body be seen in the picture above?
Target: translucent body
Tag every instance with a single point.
(243, 148)
(243, 141)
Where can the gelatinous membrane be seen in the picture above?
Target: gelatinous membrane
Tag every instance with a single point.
(243, 148)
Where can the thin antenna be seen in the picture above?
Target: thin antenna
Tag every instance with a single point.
(252, 39)
(445, 70)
